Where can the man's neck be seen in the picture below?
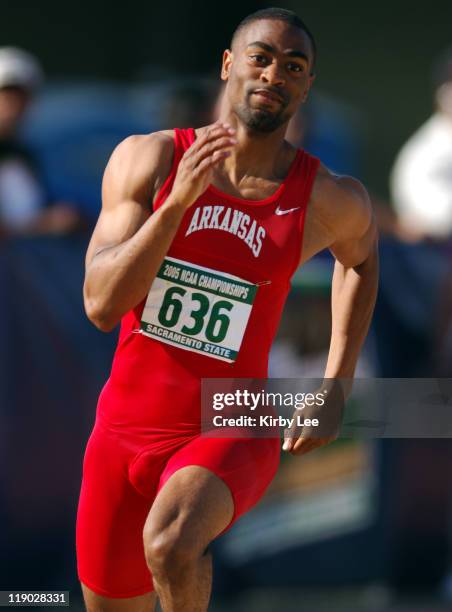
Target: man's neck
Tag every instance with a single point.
(258, 154)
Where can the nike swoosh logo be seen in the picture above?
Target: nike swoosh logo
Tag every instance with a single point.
(278, 211)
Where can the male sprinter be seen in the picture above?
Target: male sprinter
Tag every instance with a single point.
(199, 235)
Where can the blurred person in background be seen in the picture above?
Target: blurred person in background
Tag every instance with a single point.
(413, 317)
(417, 287)
(24, 205)
(421, 181)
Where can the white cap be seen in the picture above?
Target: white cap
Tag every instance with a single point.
(19, 68)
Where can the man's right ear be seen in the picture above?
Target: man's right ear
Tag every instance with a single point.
(226, 66)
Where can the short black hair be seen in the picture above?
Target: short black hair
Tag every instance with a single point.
(277, 14)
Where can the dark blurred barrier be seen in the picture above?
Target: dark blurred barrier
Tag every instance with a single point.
(52, 365)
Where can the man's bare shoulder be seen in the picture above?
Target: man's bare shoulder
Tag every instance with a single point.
(342, 204)
(145, 148)
(339, 212)
(140, 164)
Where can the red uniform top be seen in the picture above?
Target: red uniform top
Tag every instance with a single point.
(214, 308)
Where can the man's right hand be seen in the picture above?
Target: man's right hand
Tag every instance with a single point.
(195, 169)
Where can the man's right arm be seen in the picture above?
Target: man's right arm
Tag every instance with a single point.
(128, 246)
(119, 263)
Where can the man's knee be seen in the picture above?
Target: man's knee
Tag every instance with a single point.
(171, 550)
(192, 508)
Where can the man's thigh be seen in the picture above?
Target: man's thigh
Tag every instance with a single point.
(207, 485)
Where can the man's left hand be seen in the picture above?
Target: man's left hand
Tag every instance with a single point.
(301, 439)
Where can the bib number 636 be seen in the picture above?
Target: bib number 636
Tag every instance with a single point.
(218, 321)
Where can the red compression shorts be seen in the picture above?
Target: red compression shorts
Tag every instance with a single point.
(122, 474)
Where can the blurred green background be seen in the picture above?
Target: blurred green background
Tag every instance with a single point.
(375, 56)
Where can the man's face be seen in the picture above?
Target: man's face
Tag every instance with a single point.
(268, 73)
(13, 102)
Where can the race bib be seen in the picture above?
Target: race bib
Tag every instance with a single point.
(198, 309)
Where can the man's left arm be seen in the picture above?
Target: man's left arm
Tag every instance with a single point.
(354, 290)
(354, 284)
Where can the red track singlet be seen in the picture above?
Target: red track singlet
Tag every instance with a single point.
(256, 241)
